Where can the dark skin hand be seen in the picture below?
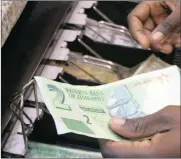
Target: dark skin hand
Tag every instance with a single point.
(163, 126)
(156, 25)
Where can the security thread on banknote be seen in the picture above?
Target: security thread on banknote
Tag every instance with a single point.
(87, 110)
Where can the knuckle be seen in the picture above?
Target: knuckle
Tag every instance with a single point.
(163, 122)
(167, 26)
(165, 118)
(135, 127)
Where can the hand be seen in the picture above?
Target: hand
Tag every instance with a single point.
(156, 25)
(163, 126)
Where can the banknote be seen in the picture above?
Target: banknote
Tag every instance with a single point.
(40, 150)
(87, 110)
(151, 64)
(101, 32)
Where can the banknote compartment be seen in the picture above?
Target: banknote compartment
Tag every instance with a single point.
(119, 8)
(89, 68)
(126, 56)
(76, 80)
(69, 76)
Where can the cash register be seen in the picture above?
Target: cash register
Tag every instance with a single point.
(75, 42)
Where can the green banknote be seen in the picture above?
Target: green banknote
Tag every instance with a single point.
(39, 150)
(87, 110)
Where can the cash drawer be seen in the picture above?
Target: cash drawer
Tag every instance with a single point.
(45, 43)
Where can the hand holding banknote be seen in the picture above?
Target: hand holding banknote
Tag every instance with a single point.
(163, 125)
(88, 110)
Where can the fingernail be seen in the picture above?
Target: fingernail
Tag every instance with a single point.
(167, 49)
(164, 51)
(117, 121)
(158, 36)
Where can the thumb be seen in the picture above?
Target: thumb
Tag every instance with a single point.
(167, 26)
(141, 127)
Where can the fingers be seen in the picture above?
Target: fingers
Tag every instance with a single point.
(142, 127)
(165, 47)
(124, 149)
(135, 21)
(161, 145)
(142, 23)
(167, 26)
(165, 143)
(172, 4)
(149, 24)
(169, 42)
